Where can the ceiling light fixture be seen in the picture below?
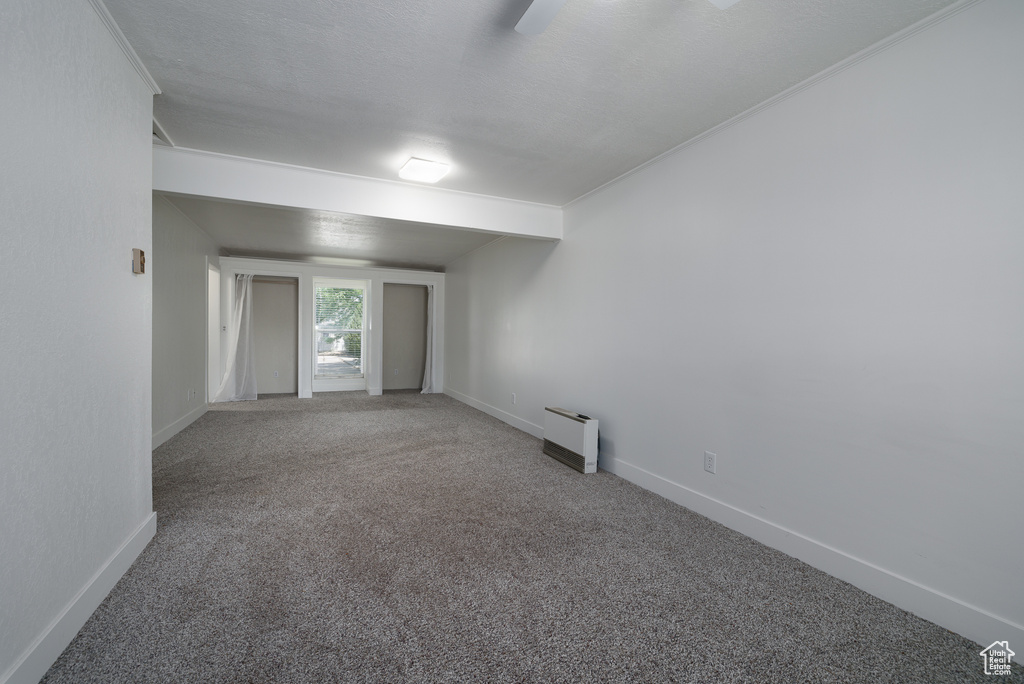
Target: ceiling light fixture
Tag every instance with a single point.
(423, 171)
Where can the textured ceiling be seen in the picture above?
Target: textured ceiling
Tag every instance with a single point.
(253, 230)
(359, 85)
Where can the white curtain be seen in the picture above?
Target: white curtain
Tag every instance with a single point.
(428, 385)
(239, 383)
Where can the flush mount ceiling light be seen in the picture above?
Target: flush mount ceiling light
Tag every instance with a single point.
(423, 171)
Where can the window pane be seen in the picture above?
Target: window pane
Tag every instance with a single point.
(339, 332)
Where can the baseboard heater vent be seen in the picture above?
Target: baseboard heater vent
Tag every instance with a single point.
(571, 438)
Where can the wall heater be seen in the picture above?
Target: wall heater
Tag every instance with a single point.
(571, 438)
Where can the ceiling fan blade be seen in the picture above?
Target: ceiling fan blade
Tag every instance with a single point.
(537, 16)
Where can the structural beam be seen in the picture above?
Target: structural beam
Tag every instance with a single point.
(207, 174)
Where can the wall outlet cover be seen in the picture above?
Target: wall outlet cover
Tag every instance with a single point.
(710, 461)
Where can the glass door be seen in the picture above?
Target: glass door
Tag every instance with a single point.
(338, 333)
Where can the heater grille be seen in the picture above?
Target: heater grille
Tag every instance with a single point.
(560, 453)
(571, 438)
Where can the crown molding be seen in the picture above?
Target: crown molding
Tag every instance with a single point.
(123, 43)
(161, 134)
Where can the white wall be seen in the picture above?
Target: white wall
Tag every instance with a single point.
(829, 294)
(275, 328)
(75, 324)
(178, 265)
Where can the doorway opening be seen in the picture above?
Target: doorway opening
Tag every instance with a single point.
(275, 329)
(405, 336)
(213, 330)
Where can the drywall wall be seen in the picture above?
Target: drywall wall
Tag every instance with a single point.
(829, 295)
(405, 335)
(75, 325)
(275, 327)
(179, 268)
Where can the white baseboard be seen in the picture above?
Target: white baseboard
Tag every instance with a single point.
(515, 421)
(177, 426)
(955, 615)
(48, 646)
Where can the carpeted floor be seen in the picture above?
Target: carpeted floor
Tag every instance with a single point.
(410, 538)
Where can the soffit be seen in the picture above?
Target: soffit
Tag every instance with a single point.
(252, 230)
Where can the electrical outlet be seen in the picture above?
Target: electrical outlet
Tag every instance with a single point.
(709, 461)
(396, 371)
(513, 398)
(275, 374)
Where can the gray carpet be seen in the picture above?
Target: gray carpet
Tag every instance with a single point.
(409, 538)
